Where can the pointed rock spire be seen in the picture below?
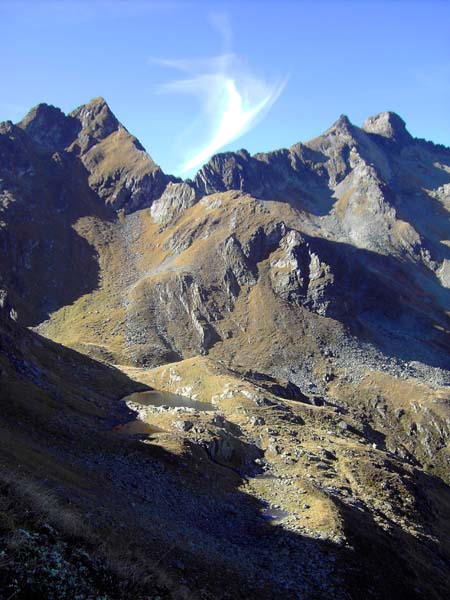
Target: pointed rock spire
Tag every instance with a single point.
(97, 122)
(389, 125)
(342, 125)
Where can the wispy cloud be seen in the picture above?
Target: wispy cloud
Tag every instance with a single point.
(232, 98)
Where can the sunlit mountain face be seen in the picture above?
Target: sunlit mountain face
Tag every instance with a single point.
(229, 386)
(224, 300)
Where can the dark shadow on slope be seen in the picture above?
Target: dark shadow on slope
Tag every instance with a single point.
(46, 263)
(428, 217)
(180, 520)
(283, 389)
(396, 305)
(53, 374)
(418, 154)
(414, 169)
(389, 562)
(188, 524)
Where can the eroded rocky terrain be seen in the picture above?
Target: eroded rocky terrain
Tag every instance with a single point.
(302, 296)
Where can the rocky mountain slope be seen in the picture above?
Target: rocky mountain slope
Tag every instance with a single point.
(303, 292)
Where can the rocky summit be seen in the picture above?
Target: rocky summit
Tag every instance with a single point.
(230, 387)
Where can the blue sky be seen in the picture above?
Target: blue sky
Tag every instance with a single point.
(188, 77)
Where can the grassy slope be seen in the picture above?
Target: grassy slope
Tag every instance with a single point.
(389, 526)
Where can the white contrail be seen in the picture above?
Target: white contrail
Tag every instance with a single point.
(233, 99)
(235, 115)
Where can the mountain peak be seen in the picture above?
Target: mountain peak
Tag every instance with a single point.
(389, 125)
(95, 109)
(49, 127)
(343, 120)
(97, 101)
(96, 106)
(342, 123)
(97, 120)
(343, 126)
(42, 111)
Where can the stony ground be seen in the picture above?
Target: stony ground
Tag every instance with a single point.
(302, 293)
(320, 471)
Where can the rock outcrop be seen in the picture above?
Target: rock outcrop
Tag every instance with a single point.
(302, 294)
(120, 170)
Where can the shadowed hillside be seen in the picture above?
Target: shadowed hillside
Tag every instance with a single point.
(301, 296)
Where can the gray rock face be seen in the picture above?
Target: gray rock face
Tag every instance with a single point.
(307, 174)
(183, 425)
(390, 126)
(352, 225)
(317, 274)
(176, 198)
(298, 275)
(49, 128)
(97, 122)
(226, 171)
(120, 171)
